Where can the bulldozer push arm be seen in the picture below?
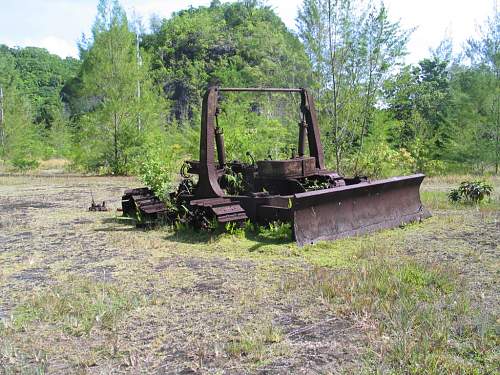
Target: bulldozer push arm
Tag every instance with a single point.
(208, 186)
(319, 203)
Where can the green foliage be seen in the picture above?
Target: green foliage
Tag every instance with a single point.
(378, 120)
(125, 107)
(34, 126)
(164, 154)
(276, 231)
(233, 183)
(311, 184)
(21, 164)
(20, 139)
(232, 44)
(59, 138)
(378, 158)
(353, 46)
(41, 78)
(234, 229)
(471, 192)
(419, 101)
(265, 126)
(159, 171)
(476, 96)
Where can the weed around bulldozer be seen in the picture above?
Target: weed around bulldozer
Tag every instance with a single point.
(311, 184)
(233, 182)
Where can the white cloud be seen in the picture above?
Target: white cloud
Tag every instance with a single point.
(53, 44)
(59, 46)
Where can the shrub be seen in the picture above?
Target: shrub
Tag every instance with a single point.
(157, 175)
(276, 231)
(380, 160)
(160, 167)
(24, 164)
(470, 192)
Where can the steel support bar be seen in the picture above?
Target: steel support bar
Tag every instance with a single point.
(258, 89)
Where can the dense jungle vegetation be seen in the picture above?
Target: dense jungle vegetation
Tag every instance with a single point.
(131, 104)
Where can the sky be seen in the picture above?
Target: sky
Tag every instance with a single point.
(57, 25)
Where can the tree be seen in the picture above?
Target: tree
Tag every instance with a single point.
(484, 57)
(20, 141)
(419, 100)
(41, 77)
(353, 47)
(112, 131)
(233, 44)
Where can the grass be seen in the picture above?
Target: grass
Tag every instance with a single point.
(257, 344)
(438, 200)
(58, 164)
(76, 306)
(421, 314)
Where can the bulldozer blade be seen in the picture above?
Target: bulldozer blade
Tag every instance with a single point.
(351, 210)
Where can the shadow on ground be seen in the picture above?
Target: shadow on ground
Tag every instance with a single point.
(125, 225)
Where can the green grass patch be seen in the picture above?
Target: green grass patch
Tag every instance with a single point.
(423, 318)
(275, 242)
(76, 305)
(438, 200)
(257, 344)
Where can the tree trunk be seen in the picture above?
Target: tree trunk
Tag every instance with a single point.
(115, 142)
(334, 88)
(497, 128)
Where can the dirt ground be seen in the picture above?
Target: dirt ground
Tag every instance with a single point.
(225, 305)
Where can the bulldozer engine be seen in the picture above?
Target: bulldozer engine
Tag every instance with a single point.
(319, 203)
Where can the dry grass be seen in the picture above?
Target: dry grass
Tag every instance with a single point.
(57, 164)
(422, 319)
(75, 306)
(87, 292)
(259, 345)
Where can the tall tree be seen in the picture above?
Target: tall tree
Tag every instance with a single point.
(353, 47)
(419, 100)
(113, 131)
(20, 140)
(484, 57)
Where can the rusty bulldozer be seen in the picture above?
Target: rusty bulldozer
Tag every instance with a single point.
(318, 203)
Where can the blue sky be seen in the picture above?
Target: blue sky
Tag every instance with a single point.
(58, 24)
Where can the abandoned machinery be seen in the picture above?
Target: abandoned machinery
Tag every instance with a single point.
(319, 204)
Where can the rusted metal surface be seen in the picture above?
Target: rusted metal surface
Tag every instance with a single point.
(357, 209)
(292, 168)
(320, 204)
(302, 137)
(208, 185)
(223, 210)
(98, 206)
(142, 204)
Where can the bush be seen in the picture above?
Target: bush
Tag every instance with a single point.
(470, 192)
(157, 175)
(160, 166)
(379, 160)
(24, 164)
